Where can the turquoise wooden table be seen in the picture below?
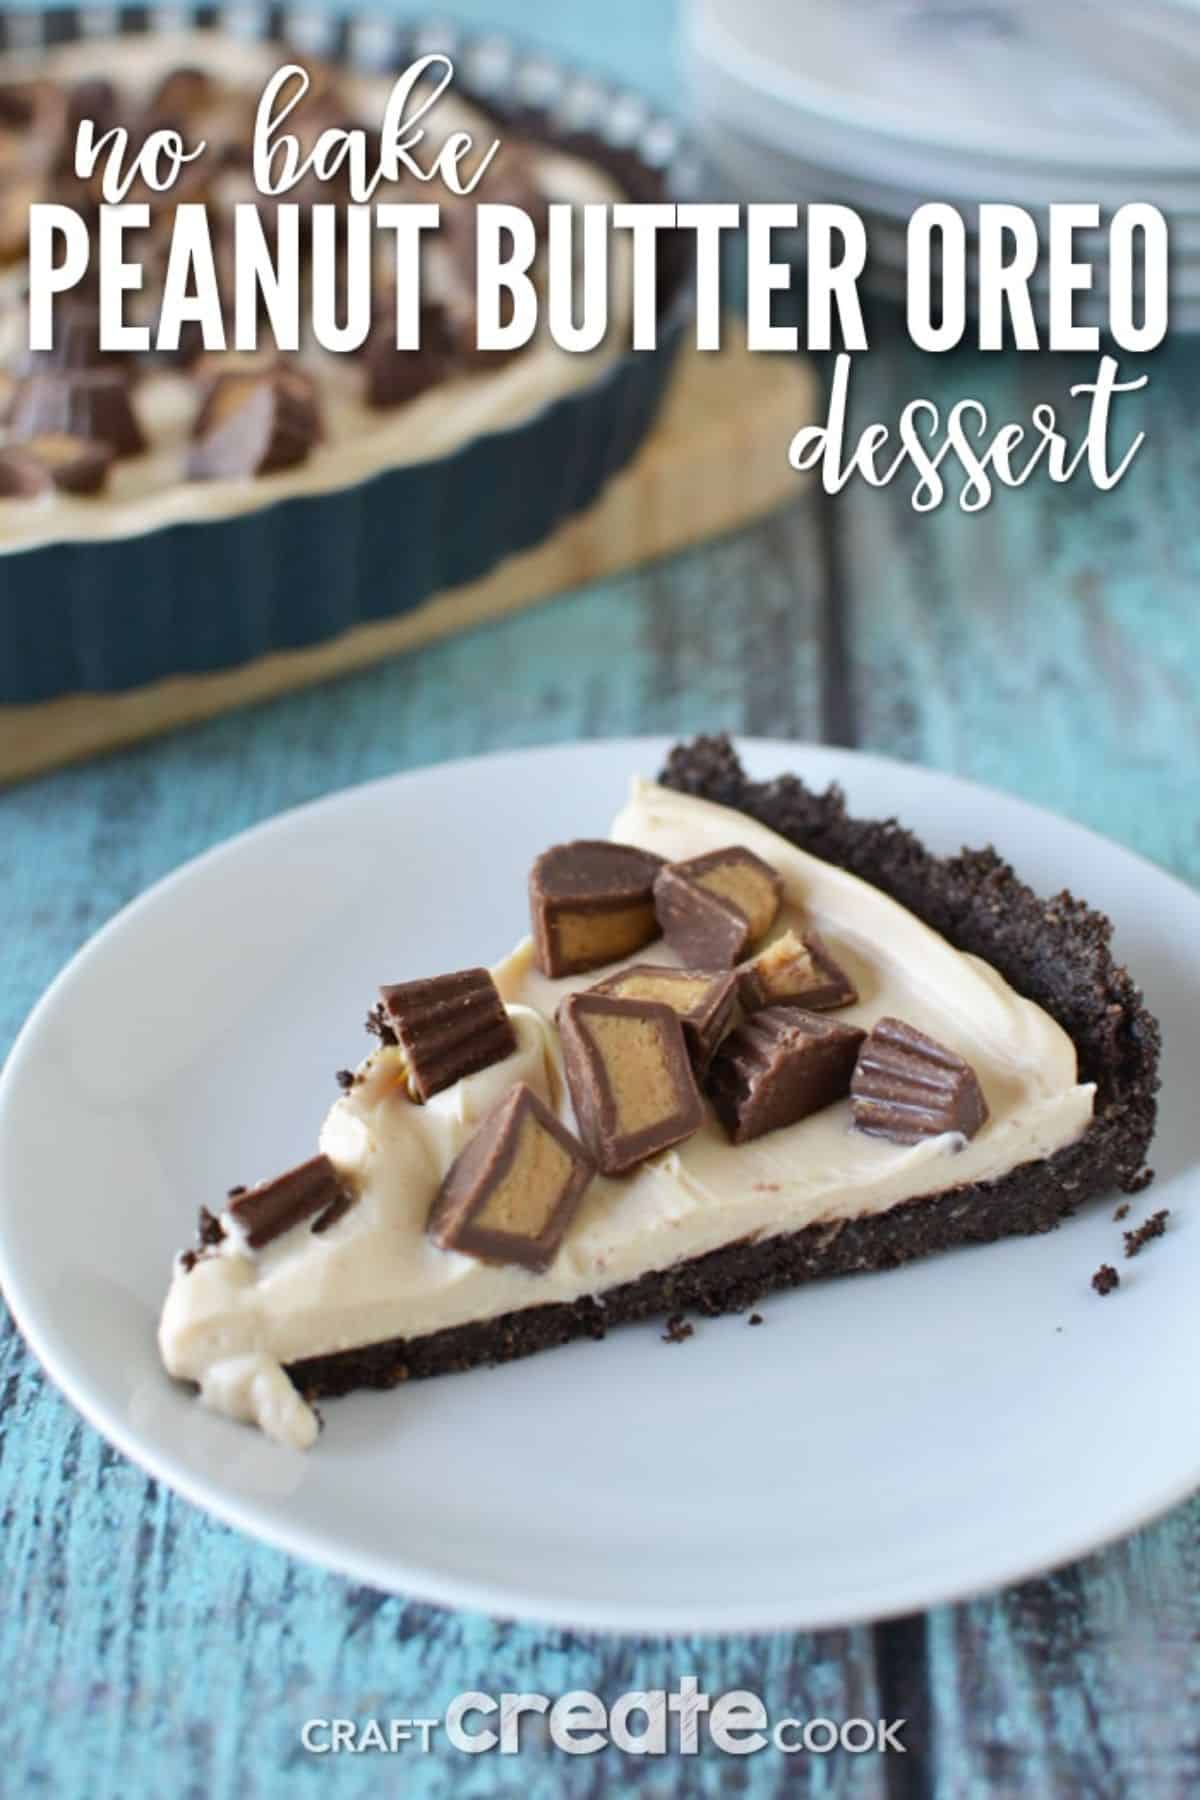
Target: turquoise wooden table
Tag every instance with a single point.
(1050, 645)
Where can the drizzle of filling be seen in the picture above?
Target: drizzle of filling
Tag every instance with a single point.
(233, 1320)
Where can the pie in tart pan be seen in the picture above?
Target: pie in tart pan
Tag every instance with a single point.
(187, 560)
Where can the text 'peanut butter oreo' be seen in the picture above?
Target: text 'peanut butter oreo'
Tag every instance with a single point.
(908, 1086)
(712, 908)
(313, 1190)
(512, 1192)
(796, 970)
(778, 1067)
(703, 998)
(591, 902)
(629, 1076)
(447, 1027)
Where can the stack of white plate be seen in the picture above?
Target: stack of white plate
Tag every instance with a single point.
(885, 104)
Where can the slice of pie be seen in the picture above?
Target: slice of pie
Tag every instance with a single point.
(821, 1050)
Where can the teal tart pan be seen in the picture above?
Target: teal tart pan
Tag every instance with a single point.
(190, 598)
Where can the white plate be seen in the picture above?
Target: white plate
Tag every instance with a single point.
(880, 1444)
(797, 157)
(1019, 80)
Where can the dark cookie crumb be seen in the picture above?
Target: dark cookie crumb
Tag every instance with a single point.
(1106, 1279)
(1151, 1228)
(378, 1026)
(1122, 1211)
(678, 1330)
(232, 1195)
(755, 1319)
(344, 1079)
(209, 1232)
(1140, 1182)
(209, 1229)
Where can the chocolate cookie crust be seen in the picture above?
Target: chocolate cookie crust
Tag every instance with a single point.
(1054, 951)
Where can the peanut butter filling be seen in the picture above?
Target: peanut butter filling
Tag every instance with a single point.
(592, 938)
(523, 1202)
(681, 995)
(641, 1073)
(237, 1317)
(743, 887)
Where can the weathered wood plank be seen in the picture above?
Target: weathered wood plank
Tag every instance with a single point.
(1085, 1683)
(1049, 643)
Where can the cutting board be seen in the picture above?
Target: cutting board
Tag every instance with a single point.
(716, 459)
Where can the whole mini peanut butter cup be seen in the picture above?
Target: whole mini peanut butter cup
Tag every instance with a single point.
(907, 1087)
(447, 1027)
(254, 424)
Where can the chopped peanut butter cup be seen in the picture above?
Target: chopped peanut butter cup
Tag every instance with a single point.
(447, 1027)
(629, 1076)
(392, 376)
(798, 970)
(313, 1190)
(908, 1086)
(513, 1191)
(68, 463)
(180, 97)
(703, 998)
(713, 907)
(22, 475)
(591, 902)
(254, 424)
(34, 109)
(779, 1066)
(91, 404)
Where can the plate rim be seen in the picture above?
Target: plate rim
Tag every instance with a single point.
(490, 1595)
(711, 41)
